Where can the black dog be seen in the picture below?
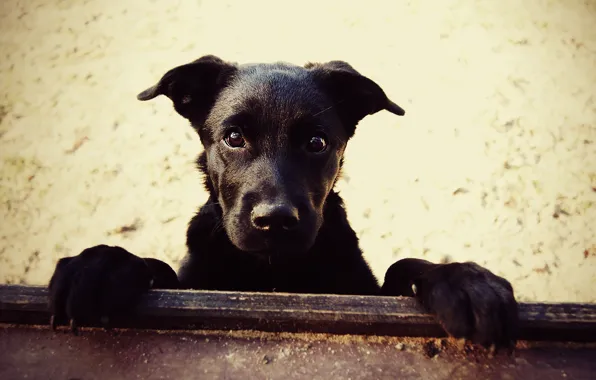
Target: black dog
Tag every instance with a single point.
(274, 138)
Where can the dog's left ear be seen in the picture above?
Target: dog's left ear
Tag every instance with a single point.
(193, 87)
(354, 95)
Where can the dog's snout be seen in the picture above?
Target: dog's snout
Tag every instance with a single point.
(275, 217)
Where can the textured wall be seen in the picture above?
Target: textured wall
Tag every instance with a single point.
(495, 160)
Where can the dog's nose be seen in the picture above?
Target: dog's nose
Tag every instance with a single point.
(275, 216)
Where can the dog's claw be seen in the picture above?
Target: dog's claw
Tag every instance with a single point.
(73, 327)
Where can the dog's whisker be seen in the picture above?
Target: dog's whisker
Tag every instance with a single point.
(323, 111)
(328, 108)
(217, 227)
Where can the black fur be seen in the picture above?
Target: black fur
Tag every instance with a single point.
(274, 137)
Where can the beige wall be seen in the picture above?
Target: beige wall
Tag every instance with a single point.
(500, 100)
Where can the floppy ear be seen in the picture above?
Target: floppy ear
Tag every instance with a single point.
(354, 96)
(193, 87)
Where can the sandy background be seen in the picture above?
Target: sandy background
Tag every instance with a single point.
(494, 162)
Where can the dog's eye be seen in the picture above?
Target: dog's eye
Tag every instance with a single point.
(234, 139)
(317, 144)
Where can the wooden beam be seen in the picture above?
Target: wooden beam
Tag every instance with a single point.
(277, 312)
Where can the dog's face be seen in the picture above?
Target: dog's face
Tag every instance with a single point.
(274, 137)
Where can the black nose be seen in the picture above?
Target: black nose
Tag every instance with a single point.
(274, 216)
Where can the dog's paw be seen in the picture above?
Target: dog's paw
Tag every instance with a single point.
(470, 302)
(99, 283)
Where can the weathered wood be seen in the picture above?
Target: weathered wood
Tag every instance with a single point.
(276, 312)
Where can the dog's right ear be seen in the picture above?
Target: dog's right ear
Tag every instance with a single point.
(354, 95)
(193, 87)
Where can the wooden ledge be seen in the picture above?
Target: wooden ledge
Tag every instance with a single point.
(281, 312)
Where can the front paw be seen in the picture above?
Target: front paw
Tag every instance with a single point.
(99, 283)
(470, 302)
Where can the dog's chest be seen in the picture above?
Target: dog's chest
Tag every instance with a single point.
(269, 276)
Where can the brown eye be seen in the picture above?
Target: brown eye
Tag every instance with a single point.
(234, 139)
(317, 144)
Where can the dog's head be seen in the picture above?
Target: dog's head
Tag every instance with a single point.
(274, 138)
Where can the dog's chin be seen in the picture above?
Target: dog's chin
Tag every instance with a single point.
(266, 244)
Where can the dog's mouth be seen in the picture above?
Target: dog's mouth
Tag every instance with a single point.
(282, 242)
(272, 242)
